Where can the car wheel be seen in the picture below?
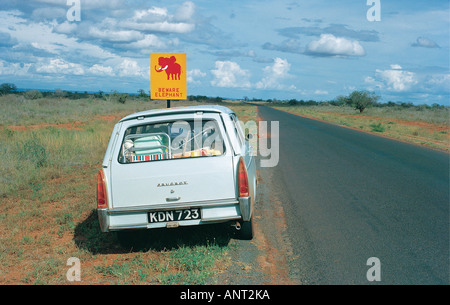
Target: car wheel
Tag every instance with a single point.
(247, 230)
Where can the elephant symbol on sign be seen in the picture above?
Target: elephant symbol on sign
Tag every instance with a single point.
(173, 69)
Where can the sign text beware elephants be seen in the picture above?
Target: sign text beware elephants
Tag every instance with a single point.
(168, 76)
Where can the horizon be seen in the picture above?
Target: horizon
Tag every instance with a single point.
(245, 98)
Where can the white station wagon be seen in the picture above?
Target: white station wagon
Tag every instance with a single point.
(177, 167)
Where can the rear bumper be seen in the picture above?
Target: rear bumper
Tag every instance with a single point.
(245, 205)
(137, 217)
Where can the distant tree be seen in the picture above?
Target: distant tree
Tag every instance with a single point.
(293, 102)
(391, 104)
(363, 99)
(7, 88)
(142, 93)
(33, 95)
(342, 100)
(59, 93)
(406, 105)
(218, 99)
(437, 106)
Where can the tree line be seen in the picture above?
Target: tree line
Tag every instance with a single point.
(358, 99)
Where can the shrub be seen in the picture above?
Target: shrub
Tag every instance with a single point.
(59, 93)
(33, 95)
(377, 127)
(34, 151)
(123, 98)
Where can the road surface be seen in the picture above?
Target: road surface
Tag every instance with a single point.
(339, 197)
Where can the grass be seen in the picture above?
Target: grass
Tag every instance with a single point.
(51, 150)
(192, 265)
(428, 127)
(17, 110)
(377, 127)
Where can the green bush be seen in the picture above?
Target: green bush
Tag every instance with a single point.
(123, 98)
(34, 151)
(33, 95)
(377, 127)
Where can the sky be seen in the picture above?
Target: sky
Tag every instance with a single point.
(263, 49)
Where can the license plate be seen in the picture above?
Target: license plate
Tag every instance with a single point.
(174, 215)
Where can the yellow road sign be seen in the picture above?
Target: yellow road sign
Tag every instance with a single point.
(168, 76)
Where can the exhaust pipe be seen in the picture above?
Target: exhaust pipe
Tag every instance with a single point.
(237, 226)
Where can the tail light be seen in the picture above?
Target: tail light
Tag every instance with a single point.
(102, 202)
(242, 179)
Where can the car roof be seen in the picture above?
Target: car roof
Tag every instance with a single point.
(178, 110)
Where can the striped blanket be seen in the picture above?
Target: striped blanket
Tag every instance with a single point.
(153, 157)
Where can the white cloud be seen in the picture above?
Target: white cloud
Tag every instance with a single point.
(102, 4)
(185, 11)
(88, 4)
(438, 83)
(15, 69)
(425, 43)
(370, 81)
(396, 67)
(151, 40)
(329, 45)
(230, 74)
(154, 14)
(321, 92)
(101, 70)
(42, 36)
(397, 79)
(442, 79)
(165, 27)
(50, 48)
(192, 75)
(129, 67)
(115, 36)
(273, 74)
(158, 19)
(65, 27)
(59, 66)
(394, 79)
(48, 13)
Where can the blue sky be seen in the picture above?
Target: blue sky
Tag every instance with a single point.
(255, 48)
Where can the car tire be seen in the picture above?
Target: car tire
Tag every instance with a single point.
(247, 230)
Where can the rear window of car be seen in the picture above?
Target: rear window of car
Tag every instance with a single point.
(171, 140)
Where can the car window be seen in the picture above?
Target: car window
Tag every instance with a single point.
(236, 129)
(171, 140)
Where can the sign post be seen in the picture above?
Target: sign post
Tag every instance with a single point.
(168, 76)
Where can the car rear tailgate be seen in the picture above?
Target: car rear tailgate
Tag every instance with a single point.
(172, 181)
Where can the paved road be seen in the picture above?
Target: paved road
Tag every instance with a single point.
(348, 196)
